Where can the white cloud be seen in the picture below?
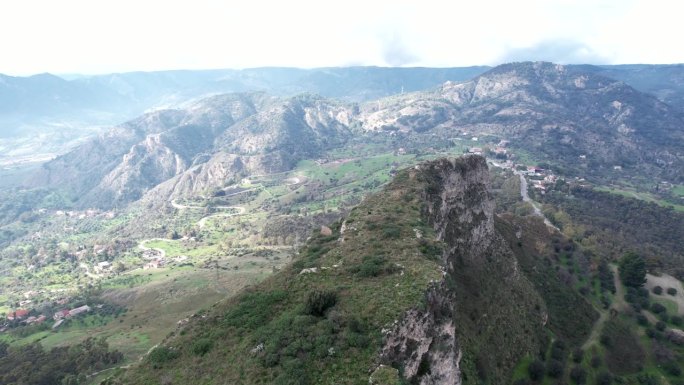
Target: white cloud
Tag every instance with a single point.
(91, 36)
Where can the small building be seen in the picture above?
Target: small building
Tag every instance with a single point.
(61, 315)
(102, 266)
(154, 264)
(79, 310)
(475, 150)
(17, 314)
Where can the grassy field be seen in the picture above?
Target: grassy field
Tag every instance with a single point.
(640, 195)
(678, 190)
(156, 300)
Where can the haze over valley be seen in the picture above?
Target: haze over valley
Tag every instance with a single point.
(380, 201)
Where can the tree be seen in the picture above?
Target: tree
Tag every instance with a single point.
(536, 370)
(632, 270)
(578, 375)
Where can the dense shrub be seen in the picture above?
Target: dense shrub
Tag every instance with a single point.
(671, 291)
(632, 270)
(319, 301)
(606, 278)
(578, 375)
(577, 355)
(657, 290)
(391, 232)
(555, 369)
(202, 346)
(536, 370)
(162, 354)
(624, 353)
(604, 378)
(658, 308)
(660, 325)
(254, 309)
(32, 364)
(642, 320)
(676, 320)
(673, 368)
(373, 266)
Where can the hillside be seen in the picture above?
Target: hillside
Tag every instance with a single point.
(581, 122)
(417, 282)
(666, 82)
(44, 116)
(242, 134)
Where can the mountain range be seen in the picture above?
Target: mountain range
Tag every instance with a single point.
(580, 121)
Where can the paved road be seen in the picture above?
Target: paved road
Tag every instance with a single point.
(526, 197)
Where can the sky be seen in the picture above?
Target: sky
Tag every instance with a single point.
(98, 36)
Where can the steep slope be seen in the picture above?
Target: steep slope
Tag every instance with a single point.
(573, 118)
(417, 282)
(557, 112)
(262, 134)
(666, 82)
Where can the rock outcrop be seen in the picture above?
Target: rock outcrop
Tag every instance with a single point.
(484, 315)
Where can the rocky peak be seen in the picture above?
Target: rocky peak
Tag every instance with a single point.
(460, 205)
(483, 298)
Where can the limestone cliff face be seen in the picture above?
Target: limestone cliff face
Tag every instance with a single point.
(484, 315)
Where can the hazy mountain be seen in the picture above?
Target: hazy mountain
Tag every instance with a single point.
(42, 116)
(666, 82)
(257, 132)
(576, 119)
(556, 112)
(99, 99)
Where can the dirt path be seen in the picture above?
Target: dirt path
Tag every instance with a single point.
(240, 211)
(618, 304)
(142, 246)
(665, 281)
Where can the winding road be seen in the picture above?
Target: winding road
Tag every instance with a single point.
(526, 197)
(161, 252)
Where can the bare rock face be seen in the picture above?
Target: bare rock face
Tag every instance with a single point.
(424, 343)
(460, 206)
(483, 303)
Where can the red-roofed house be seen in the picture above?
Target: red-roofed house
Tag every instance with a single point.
(17, 314)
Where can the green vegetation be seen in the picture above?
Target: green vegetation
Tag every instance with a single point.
(612, 225)
(31, 364)
(632, 270)
(299, 327)
(624, 353)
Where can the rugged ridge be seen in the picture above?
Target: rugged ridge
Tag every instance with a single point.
(573, 117)
(196, 149)
(557, 112)
(469, 309)
(418, 282)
